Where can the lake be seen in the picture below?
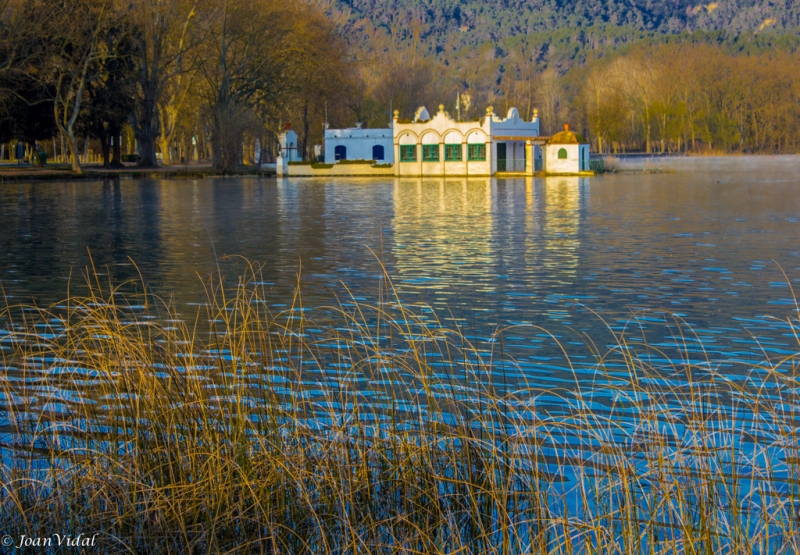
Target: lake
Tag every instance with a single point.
(707, 243)
(642, 321)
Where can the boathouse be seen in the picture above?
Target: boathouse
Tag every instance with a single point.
(440, 146)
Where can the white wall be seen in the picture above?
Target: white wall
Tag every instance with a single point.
(359, 144)
(570, 165)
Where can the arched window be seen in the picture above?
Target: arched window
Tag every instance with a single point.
(377, 152)
(562, 153)
(340, 152)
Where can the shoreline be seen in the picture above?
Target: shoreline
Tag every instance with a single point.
(32, 174)
(12, 173)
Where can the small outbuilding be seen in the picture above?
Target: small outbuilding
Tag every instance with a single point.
(566, 153)
(357, 143)
(288, 145)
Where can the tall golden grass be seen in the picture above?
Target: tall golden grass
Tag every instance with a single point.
(248, 431)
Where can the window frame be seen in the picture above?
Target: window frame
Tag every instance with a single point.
(430, 148)
(480, 156)
(566, 154)
(453, 147)
(405, 149)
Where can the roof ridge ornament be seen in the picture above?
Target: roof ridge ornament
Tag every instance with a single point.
(422, 114)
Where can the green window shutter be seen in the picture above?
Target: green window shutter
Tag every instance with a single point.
(430, 153)
(408, 153)
(562, 153)
(452, 153)
(477, 153)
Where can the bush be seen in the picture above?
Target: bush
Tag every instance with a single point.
(381, 165)
(356, 162)
(301, 163)
(321, 166)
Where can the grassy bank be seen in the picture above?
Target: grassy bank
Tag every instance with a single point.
(208, 436)
(62, 172)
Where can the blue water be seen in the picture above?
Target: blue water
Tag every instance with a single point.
(707, 244)
(700, 264)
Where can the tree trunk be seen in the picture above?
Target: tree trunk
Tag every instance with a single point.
(262, 157)
(72, 143)
(226, 138)
(34, 155)
(68, 133)
(104, 137)
(116, 159)
(167, 118)
(163, 145)
(147, 127)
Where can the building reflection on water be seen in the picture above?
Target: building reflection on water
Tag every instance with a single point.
(487, 233)
(443, 231)
(563, 199)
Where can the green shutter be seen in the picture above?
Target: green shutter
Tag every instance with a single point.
(477, 153)
(408, 153)
(430, 153)
(452, 153)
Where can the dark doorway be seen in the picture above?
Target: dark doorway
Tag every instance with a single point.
(501, 157)
(340, 152)
(377, 152)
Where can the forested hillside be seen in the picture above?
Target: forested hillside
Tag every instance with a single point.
(553, 55)
(460, 23)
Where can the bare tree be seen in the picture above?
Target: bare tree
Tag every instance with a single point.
(549, 94)
(246, 66)
(72, 55)
(164, 31)
(323, 75)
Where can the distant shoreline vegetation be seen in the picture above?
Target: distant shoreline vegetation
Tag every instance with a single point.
(162, 84)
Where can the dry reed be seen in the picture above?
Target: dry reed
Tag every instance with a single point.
(367, 429)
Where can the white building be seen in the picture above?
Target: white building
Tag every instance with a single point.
(441, 146)
(566, 153)
(356, 143)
